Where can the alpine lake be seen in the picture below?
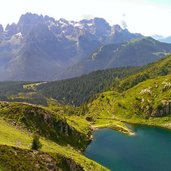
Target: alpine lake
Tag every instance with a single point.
(148, 150)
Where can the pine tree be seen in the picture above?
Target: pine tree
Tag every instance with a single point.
(36, 144)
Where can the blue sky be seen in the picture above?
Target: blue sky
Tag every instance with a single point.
(148, 17)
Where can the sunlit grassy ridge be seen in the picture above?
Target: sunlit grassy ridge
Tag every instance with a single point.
(12, 136)
(142, 97)
(18, 137)
(159, 68)
(148, 102)
(45, 122)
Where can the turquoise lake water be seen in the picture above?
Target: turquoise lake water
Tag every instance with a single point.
(148, 150)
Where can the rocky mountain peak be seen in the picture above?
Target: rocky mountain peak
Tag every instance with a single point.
(101, 22)
(117, 28)
(11, 29)
(1, 29)
(28, 21)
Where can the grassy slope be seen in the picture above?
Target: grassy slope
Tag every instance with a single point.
(110, 108)
(19, 121)
(159, 68)
(139, 104)
(44, 122)
(12, 136)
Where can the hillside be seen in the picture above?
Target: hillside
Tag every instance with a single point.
(143, 97)
(79, 90)
(18, 123)
(40, 160)
(146, 103)
(136, 52)
(159, 68)
(44, 122)
(76, 91)
(73, 91)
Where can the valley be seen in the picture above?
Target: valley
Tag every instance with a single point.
(143, 100)
(83, 96)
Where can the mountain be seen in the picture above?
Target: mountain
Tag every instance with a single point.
(39, 58)
(166, 39)
(137, 52)
(39, 47)
(162, 39)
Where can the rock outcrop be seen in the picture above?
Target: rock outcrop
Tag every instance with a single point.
(163, 109)
(11, 158)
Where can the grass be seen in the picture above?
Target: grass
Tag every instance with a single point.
(32, 86)
(79, 123)
(113, 124)
(14, 133)
(45, 122)
(139, 104)
(12, 136)
(109, 109)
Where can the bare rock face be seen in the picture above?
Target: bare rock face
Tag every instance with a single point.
(65, 129)
(11, 29)
(72, 166)
(164, 109)
(39, 160)
(27, 22)
(1, 29)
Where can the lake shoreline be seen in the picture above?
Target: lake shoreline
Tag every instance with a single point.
(121, 126)
(113, 149)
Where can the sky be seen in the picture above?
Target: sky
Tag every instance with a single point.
(148, 17)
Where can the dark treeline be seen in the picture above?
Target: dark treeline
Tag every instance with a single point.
(78, 90)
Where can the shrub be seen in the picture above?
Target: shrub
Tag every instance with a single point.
(36, 144)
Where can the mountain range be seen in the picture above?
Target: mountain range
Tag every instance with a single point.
(136, 52)
(39, 47)
(162, 39)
